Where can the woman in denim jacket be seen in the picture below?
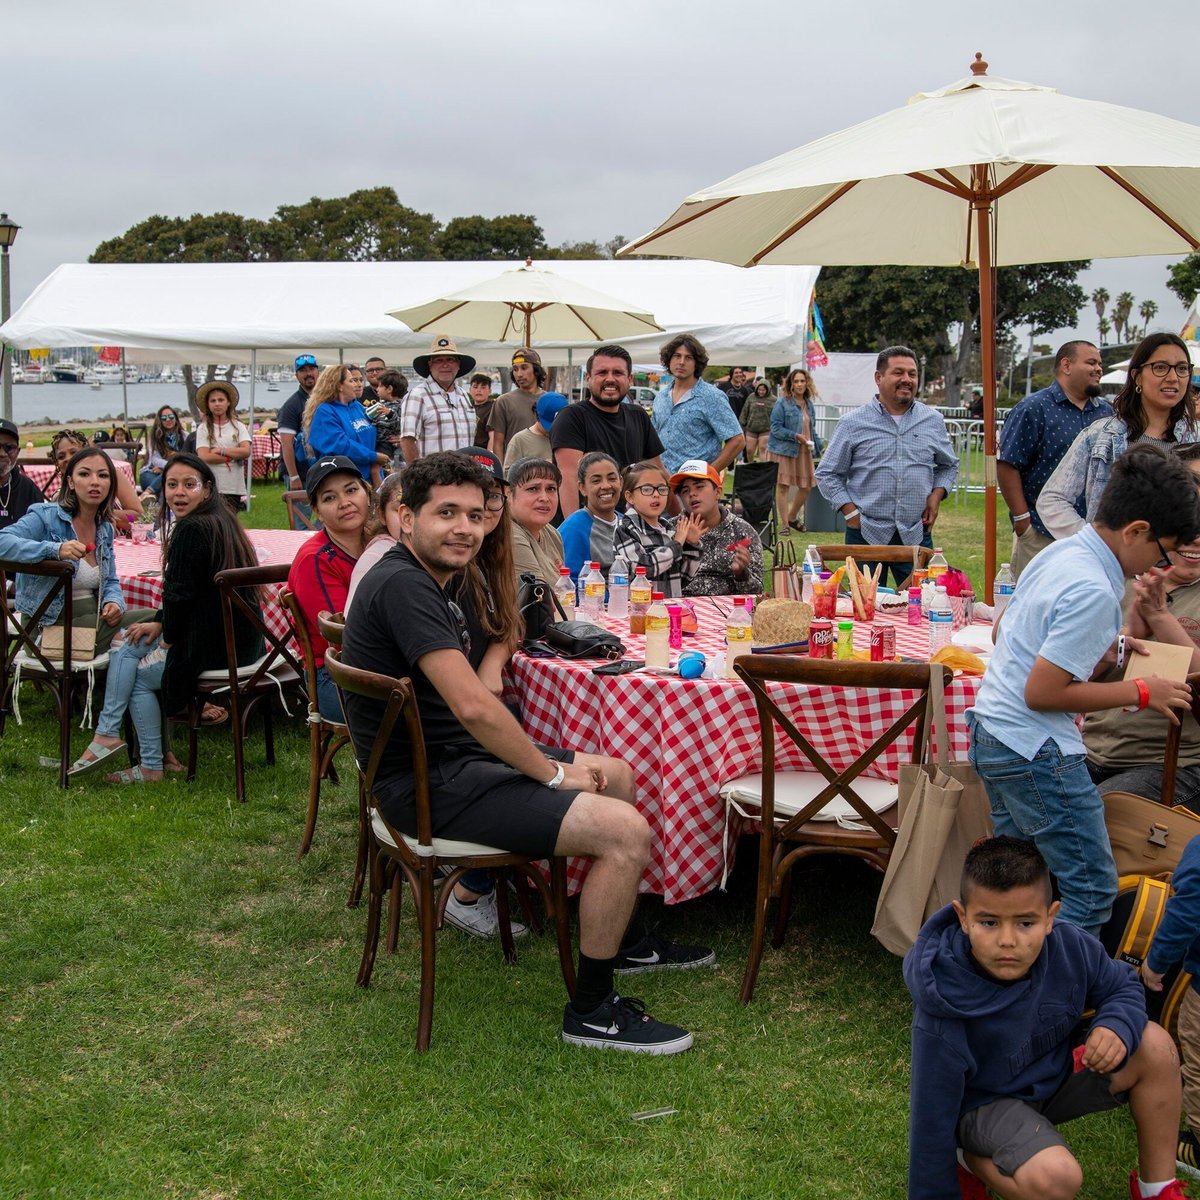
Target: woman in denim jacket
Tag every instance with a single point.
(794, 445)
(1150, 408)
(76, 528)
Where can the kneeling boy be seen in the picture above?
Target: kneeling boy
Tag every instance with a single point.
(997, 991)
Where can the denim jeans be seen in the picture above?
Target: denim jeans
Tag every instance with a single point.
(900, 571)
(150, 479)
(1053, 803)
(1147, 781)
(135, 687)
(328, 703)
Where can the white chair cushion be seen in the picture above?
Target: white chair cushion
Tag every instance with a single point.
(281, 671)
(442, 847)
(795, 789)
(32, 666)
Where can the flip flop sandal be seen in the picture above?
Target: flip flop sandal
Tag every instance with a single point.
(84, 766)
(132, 775)
(205, 719)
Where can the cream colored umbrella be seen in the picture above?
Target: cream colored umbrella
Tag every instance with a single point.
(530, 303)
(983, 173)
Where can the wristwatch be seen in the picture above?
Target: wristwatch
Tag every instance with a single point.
(559, 775)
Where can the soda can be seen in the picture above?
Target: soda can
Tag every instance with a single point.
(820, 639)
(883, 643)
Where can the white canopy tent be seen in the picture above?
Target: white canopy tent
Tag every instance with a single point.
(229, 312)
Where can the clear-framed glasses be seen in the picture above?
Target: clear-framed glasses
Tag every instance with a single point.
(652, 489)
(1160, 370)
(463, 632)
(495, 502)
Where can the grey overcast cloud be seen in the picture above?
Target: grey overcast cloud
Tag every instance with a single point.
(597, 118)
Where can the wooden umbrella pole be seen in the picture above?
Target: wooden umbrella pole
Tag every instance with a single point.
(982, 205)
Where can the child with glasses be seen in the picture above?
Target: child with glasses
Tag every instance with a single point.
(648, 539)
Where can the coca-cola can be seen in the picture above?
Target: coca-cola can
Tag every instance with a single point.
(820, 639)
(883, 643)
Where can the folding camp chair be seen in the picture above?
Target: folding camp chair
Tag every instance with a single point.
(754, 498)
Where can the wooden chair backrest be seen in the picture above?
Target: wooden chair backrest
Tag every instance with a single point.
(22, 635)
(240, 586)
(290, 500)
(291, 606)
(760, 670)
(332, 627)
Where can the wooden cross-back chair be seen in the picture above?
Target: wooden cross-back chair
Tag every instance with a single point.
(419, 858)
(786, 803)
(246, 687)
(298, 510)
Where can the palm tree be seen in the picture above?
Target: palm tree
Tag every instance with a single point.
(1104, 329)
(1121, 310)
(1147, 309)
(1100, 299)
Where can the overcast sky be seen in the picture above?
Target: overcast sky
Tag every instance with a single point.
(596, 117)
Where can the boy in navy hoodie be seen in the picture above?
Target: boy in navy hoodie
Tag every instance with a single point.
(998, 990)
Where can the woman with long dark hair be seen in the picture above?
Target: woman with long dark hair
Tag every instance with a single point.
(165, 441)
(1157, 406)
(222, 441)
(76, 528)
(157, 669)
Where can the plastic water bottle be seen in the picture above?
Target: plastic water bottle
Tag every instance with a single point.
(658, 633)
(941, 621)
(618, 588)
(640, 596)
(810, 569)
(593, 592)
(938, 565)
(1002, 588)
(564, 590)
(739, 635)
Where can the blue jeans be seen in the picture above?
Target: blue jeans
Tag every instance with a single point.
(328, 703)
(1053, 803)
(900, 571)
(150, 479)
(135, 687)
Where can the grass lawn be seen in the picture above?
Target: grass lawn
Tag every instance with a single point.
(178, 1018)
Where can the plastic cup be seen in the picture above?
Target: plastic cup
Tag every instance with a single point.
(867, 591)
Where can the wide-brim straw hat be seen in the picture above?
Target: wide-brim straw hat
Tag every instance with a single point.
(216, 385)
(443, 345)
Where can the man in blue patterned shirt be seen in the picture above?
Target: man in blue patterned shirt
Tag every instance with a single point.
(692, 418)
(889, 464)
(1037, 433)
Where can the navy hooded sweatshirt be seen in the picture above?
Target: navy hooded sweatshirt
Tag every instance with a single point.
(975, 1040)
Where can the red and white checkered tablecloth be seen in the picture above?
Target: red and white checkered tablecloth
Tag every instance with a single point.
(685, 738)
(264, 456)
(41, 473)
(139, 568)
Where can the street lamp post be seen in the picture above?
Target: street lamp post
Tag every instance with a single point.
(8, 235)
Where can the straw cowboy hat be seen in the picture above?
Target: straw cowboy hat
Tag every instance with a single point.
(217, 385)
(443, 345)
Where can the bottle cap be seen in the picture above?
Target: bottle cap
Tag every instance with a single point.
(595, 566)
(640, 571)
(564, 570)
(845, 624)
(914, 593)
(657, 596)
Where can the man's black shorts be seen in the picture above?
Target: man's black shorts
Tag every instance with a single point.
(476, 798)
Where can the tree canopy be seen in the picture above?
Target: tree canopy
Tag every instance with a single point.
(369, 225)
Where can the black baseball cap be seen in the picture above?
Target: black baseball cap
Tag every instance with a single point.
(330, 464)
(9, 427)
(486, 459)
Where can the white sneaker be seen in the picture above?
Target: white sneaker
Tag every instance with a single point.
(479, 919)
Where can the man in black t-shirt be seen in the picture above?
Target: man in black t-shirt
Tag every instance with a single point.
(488, 783)
(17, 490)
(603, 422)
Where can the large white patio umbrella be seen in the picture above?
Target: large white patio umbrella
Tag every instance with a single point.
(527, 301)
(983, 173)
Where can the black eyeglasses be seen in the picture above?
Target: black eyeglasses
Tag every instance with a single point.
(1165, 561)
(306, 360)
(464, 633)
(652, 489)
(495, 502)
(1160, 370)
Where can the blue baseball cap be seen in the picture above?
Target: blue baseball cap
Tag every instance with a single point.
(549, 405)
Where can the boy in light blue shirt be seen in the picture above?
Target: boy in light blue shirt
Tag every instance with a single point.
(1058, 631)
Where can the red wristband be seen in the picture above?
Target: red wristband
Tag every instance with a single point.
(1143, 693)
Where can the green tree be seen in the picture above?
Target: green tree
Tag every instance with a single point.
(1100, 298)
(935, 310)
(370, 225)
(1183, 278)
(515, 236)
(220, 237)
(1147, 310)
(1105, 327)
(1122, 308)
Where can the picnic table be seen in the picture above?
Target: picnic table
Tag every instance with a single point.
(42, 473)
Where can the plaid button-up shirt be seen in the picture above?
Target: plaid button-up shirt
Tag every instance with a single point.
(438, 419)
(642, 545)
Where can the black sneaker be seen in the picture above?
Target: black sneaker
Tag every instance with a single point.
(622, 1023)
(655, 953)
(1187, 1154)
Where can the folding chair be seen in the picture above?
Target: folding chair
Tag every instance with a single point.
(392, 853)
(754, 498)
(23, 656)
(785, 804)
(245, 686)
(916, 556)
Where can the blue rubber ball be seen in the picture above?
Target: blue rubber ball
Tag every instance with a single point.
(691, 665)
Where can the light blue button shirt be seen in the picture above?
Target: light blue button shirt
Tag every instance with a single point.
(697, 427)
(1067, 610)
